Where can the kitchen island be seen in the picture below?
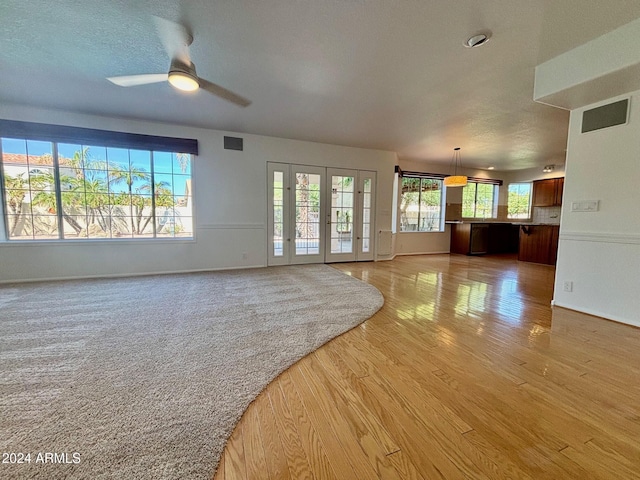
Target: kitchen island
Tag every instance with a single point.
(533, 242)
(479, 238)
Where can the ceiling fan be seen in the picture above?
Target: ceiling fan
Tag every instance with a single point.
(182, 75)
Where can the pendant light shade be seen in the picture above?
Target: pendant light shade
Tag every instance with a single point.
(456, 180)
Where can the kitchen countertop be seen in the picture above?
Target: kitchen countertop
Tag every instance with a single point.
(496, 222)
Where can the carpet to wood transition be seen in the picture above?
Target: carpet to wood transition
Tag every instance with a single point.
(146, 377)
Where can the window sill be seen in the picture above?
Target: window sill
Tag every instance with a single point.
(96, 241)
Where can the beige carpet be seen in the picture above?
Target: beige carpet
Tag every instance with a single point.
(144, 378)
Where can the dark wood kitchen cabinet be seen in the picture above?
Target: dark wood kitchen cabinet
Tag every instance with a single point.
(539, 244)
(548, 193)
(480, 238)
(469, 238)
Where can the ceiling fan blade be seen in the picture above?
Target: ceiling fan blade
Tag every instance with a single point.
(223, 93)
(134, 80)
(175, 39)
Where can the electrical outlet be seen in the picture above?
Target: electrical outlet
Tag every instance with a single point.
(568, 286)
(245, 255)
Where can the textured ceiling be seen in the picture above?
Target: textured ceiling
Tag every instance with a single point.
(387, 74)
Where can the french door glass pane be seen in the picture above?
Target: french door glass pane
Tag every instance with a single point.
(342, 200)
(278, 217)
(307, 232)
(366, 215)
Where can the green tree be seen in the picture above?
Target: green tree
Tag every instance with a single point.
(518, 204)
(129, 176)
(15, 191)
(163, 198)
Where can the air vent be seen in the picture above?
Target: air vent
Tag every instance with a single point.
(233, 143)
(605, 116)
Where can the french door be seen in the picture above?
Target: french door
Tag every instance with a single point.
(349, 216)
(296, 229)
(310, 222)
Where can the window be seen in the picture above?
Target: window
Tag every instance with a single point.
(54, 191)
(519, 200)
(421, 205)
(479, 200)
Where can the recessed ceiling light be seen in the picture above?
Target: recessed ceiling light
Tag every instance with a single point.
(477, 40)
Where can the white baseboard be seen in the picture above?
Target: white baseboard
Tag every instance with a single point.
(121, 275)
(422, 253)
(596, 313)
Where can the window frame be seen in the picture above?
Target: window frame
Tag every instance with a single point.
(442, 204)
(530, 204)
(494, 200)
(151, 219)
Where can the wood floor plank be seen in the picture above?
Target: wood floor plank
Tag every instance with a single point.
(235, 467)
(366, 433)
(438, 421)
(405, 467)
(274, 453)
(253, 447)
(356, 410)
(309, 438)
(366, 456)
(465, 372)
(297, 460)
(327, 430)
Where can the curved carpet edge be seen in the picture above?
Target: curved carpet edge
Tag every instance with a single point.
(146, 377)
(373, 290)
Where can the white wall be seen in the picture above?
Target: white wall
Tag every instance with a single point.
(600, 252)
(230, 192)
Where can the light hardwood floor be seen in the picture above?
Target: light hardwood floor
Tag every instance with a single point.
(466, 372)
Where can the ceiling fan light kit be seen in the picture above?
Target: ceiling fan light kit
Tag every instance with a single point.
(183, 77)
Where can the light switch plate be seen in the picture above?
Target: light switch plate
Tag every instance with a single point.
(585, 206)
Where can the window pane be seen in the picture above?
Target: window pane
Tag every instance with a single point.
(118, 158)
(29, 202)
(409, 210)
(421, 207)
(162, 162)
(104, 192)
(469, 200)
(519, 200)
(478, 200)
(182, 163)
(180, 186)
(184, 226)
(484, 201)
(140, 161)
(430, 205)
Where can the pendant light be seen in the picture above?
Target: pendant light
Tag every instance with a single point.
(455, 180)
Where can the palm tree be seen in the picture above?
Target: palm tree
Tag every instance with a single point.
(129, 176)
(16, 190)
(183, 160)
(162, 198)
